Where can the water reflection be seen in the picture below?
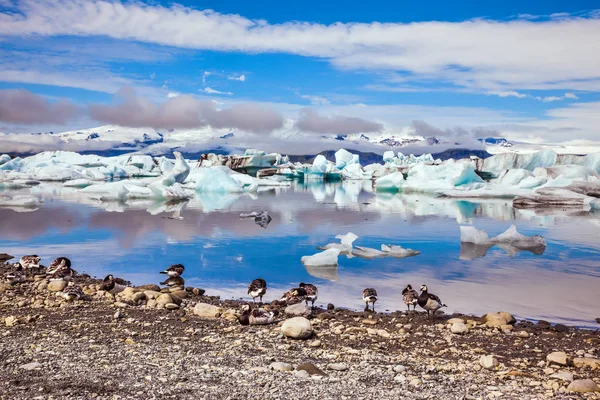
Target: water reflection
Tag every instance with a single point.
(222, 252)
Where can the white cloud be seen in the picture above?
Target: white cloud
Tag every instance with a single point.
(171, 95)
(493, 55)
(234, 77)
(510, 94)
(546, 99)
(213, 91)
(315, 100)
(205, 75)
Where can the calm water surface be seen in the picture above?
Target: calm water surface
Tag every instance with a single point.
(223, 253)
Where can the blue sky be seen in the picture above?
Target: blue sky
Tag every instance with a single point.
(526, 70)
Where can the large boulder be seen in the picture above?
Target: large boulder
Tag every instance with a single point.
(558, 357)
(204, 310)
(297, 328)
(583, 386)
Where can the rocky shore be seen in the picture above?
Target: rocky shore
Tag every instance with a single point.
(178, 343)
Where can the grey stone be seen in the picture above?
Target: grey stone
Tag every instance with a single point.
(57, 286)
(337, 366)
(558, 357)
(583, 386)
(297, 328)
(31, 366)
(563, 376)
(458, 328)
(488, 362)
(204, 310)
(297, 310)
(281, 366)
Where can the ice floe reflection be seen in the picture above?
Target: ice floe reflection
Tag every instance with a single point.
(135, 239)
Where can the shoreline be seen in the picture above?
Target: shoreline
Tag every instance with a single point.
(120, 347)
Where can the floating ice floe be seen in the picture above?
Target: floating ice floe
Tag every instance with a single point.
(368, 253)
(328, 257)
(475, 243)
(78, 183)
(345, 245)
(398, 251)
(261, 218)
(24, 201)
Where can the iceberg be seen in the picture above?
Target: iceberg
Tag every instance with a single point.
(553, 197)
(78, 183)
(388, 156)
(4, 158)
(510, 240)
(433, 178)
(368, 253)
(262, 218)
(214, 179)
(24, 201)
(398, 251)
(345, 245)
(328, 257)
(342, 158)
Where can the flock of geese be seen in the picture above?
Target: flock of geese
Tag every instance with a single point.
(60, 269)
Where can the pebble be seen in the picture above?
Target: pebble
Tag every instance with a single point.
(315, 343)
(488, 362)
(523, 334)
(281, 366)
(171, 306)
(337, 366)
(57, 286)
(583, 386)
(11, 321)
(563, 376)
(400, 378)
(120, 304)
(458, 328)
(302, 374)
(399, 368)
(557, 357)
(31, 366)
(118, 314)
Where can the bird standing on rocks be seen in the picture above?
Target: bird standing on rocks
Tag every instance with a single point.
(257, 288)
(174, 270)
(29, 263)
(294, 296)
(60, 269)
(410, 297)
(72, 292)
(369, 296)
(311, 293)
(429, 301)
(257, 316)
(110, 284)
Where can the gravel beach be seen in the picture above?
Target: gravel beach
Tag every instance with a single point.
(176, 343)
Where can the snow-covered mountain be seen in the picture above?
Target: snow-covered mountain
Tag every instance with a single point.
(113, 140)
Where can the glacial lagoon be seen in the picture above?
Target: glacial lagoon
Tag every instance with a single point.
(223, 252)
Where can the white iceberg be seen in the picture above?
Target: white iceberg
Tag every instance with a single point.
(345, 245)
(368, 253)
(214, 179)
(20, 201)
(78, 183)
(511, 237)
(398, 251)
(328, 257)
(4, 158)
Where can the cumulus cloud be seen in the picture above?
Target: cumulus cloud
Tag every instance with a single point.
(23, 107)
(494, 55)
(311, 121)
(185, 112)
